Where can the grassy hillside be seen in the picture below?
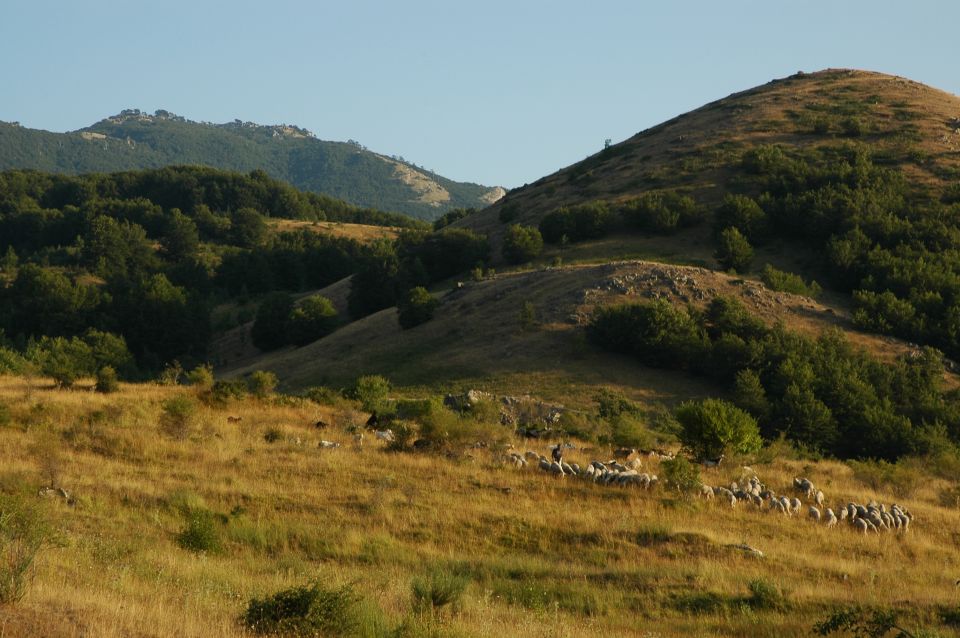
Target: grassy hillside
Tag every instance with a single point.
(912, 126)
(136, 140)
(539, 555)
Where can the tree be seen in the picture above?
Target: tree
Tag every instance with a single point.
(416, 307)
(734, 251)
(744, 214)
(271, 327)
(522, 243)
(371, 391)
(247, 228)
(181, 239)
(315, 317)
(64, 360)
(714, 427)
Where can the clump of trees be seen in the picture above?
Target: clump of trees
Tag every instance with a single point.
(280, 321)
(591, 220)
(823, 393)
(663, 212)
(416, 307)
(522, 244)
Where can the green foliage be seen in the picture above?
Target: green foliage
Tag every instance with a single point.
(262, 383)
(178, 416)
(658, 333)
(201, 377)
(202, 533)
(744, 214)
(271, 328)
(734, 252)
(663, 212)
(441, 588)
(416, 307)
(311, 610)
(788, 282)
(749, 394)
(860, 622)
(508, 213)
(225, 391)
(371, 391)
(681, 474)
(64, 360)
(612, 404)
(451, 216)
(766, 595)
(627, 430)
(713, 427)
(901, 478)
(521, 244)
(528, 317)
(23, 532)
(313, 318)
(577, 223)
(107, 381)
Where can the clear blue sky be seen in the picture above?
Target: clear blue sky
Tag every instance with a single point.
(494, 92)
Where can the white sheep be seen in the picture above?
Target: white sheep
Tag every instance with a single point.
(706, 491)
(861, 525)
(795, 505)
(814, 514)
(829, 518)
(818, 497)
(385, 435)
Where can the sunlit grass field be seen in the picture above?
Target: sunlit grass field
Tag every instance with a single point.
(542, 556)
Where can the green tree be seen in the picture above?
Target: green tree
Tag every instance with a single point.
(713, 427)
(416, 307)
(181, 238)
(313, 318)
(744, 214)
(271, 327)
(371, 391)
(248, 229)
(64, 360)
(734, 251)
(521, 243)
(262, 383)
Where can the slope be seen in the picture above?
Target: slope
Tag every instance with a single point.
(136, 140)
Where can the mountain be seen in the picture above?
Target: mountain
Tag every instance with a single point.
(346, 170)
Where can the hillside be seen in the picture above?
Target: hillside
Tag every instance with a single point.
(914, 127)
(136, 140)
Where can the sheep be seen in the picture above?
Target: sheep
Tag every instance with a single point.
(531, 455)
(557, 469)
(358, 440)
(818, 497)
(732, 499)
(654, 479)
(829, 518)
(795, 505)
(861, 525)
(544, 464)
(814, 514)
(843, 513)
(706, 491)
(567, 468)
(385, 435)
(326, 445)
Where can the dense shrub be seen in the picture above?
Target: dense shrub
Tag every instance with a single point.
(262, 383)
(313, 318)
(201, 377)
(577, 223)
(662, 212)
(713, 427)
(734, 252)
(416, 307)
(521, 244)
(823, 394)
(371, 391)
(201, 532)
(312, 610)
(680, 474)
(107, 380)
(788, 282)
(177, 416)
(744, 214)
(441, 588)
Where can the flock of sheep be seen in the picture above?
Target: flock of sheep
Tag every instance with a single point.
(873, 517)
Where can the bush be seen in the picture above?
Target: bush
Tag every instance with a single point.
(901, 478)
(713, 427)
(262, 383)
(662, 212)
(107, 380)
(766, 595)
(416, 307)
(64, 360)
(528, 317)
(681, 474)
(23, 532)
(177, 417)
(744, 214)
(442, 588)
(306, 611)
(522, 244)
(201, 377)
(271, 327)
(201, 534)
(734, 252)
(577, 223)
(315, 317)
(323, 395)
(628, 431)
(371, 391)
(224, 391)
(788, 282)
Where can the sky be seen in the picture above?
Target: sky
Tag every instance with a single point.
(494, 92)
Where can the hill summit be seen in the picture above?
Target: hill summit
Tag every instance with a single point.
(134, 139)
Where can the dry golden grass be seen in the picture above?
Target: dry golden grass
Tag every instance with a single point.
(359, 232)
(553, 557)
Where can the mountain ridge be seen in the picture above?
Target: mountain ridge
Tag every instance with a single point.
(134, 139)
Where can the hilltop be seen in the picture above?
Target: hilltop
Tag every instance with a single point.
(134, 139)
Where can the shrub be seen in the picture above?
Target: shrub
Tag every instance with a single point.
(107, 380)
(713, 427)
(272, 435)
(201, 534)
(23, 532)
(744, 214)
(528, 316)
(64, 360)
(323, 395)
(311, 610)
(734, 252)
(224, 391)
(662, 212)
(171, 373)
(788, 282)
(681, 474)
(315, 317)
(176, 419)
(271, 327)
(442, 588)
(262, 383)
(900, 478)
(371, 391)
(766, 595)
(521, 244)
(416, 307)
(201, 377)
(628, 431)
(577, 223)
